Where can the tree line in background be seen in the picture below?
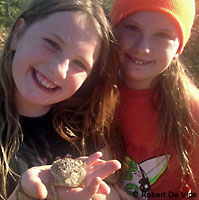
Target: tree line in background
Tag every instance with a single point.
(9, 9)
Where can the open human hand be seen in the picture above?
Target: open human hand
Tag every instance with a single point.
(36, 181)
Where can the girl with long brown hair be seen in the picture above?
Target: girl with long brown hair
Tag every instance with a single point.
(57, 93)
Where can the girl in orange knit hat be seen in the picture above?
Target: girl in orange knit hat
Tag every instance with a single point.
(158, 113)
(54, 73)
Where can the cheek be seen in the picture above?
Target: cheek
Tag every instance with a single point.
(121, 38)
(20, 66)
(122, 41)
(81, 78)
(169, 49)
(171, 54)
(77, 80)
(165, 61)
(15, 66)
(125, 42)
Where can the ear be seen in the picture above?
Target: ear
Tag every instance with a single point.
(17, 32)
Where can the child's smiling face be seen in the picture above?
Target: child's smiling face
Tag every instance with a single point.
(148, 42)
(53, 58)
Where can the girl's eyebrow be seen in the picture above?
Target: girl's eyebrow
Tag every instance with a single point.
(131, 21)
(61, 41)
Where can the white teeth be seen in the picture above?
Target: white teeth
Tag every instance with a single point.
(43, 82)
(140, 62)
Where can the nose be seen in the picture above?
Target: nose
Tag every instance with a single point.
(142, 45)
(59, 69)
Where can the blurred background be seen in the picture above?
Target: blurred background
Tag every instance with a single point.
(9, 10)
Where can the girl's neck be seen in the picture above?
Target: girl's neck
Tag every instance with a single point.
(136, 84)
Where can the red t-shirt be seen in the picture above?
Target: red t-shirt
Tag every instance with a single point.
(151, 172)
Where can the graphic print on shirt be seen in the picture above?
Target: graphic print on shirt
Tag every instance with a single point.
(140, 177)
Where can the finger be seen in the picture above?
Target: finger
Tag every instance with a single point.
(93, 158)
(103, 188)
(99, 165)
(105, 170)
(91, 189)
(95, 166)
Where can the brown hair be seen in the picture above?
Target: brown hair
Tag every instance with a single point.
(88, 112)
(177, 126)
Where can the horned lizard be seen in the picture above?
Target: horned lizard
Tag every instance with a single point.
(67, 172)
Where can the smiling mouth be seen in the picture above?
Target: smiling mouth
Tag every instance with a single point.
(41, 80)
(138, 61)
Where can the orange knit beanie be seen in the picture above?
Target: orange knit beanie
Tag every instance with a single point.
(181, 11)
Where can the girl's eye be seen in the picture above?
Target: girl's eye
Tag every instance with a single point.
(132, 28)
(163, 35)
(52, 44)
(80, 64)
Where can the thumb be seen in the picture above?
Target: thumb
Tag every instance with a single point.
(33, 186)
